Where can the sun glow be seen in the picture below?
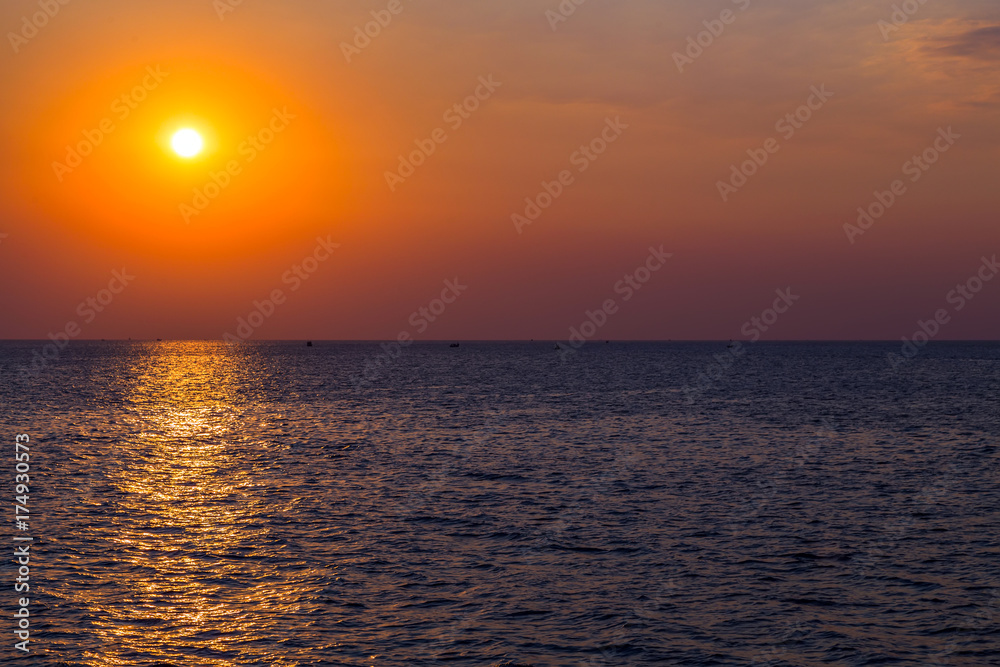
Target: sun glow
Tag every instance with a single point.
(186, 142)
(148, 170)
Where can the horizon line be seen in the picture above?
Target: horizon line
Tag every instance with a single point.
(498, 340)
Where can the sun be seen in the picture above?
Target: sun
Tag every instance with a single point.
(186, 142)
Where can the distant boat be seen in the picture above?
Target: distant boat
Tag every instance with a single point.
(731, 345)
(454, 345)
(558, 347)
(309, 343)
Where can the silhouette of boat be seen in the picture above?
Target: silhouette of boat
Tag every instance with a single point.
(454, 345)
(309, 343)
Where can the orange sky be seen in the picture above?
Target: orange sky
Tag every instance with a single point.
(343, 125)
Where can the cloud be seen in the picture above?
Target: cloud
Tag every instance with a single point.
(980, 44)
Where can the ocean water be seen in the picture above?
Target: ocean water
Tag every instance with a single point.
(197, 503)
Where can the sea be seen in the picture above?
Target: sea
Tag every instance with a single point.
(501, 504)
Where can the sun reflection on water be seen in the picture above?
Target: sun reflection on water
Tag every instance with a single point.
(198, 572)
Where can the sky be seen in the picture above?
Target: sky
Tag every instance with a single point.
(599, 167)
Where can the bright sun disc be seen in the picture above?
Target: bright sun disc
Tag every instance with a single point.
(186, 142)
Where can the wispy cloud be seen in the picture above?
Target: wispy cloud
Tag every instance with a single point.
(979, 43)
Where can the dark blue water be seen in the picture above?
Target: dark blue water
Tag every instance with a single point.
(799, 504)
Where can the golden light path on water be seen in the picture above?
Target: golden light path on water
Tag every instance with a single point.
(203, 504)
(200, 569)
